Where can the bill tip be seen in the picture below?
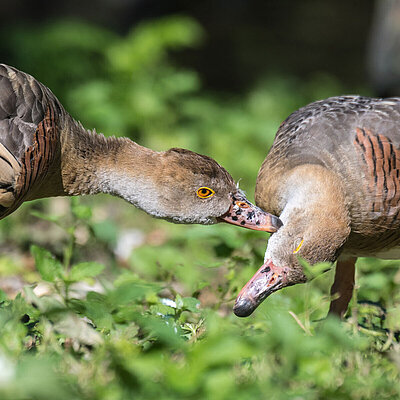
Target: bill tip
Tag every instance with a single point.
(243, 308)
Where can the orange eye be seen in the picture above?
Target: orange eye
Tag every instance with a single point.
(242, 204)
(205, 192)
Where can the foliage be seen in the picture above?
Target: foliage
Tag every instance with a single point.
(164, 327)
(106, 311)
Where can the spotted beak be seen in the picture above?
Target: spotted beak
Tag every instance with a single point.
(268, 279)
(243, 213)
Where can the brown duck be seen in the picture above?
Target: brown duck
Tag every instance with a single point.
(333, 176)
(44, 152)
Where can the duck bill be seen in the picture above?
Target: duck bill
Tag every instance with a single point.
(245, 214)
(268, 279)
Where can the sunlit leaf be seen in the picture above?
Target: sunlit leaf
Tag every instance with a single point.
(191, 304)
(49, 268)
(85, 270)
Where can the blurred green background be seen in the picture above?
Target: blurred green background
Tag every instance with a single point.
(98, 300)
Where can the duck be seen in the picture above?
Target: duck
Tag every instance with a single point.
(332, 176)
(44, 152)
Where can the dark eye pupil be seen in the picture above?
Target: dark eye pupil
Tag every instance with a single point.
(204, 191)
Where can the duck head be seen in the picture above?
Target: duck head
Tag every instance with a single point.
(308, 234)
(206, 193)
(281, 268)
(182, 186)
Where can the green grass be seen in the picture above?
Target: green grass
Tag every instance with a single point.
(117, 336)
(153, 319)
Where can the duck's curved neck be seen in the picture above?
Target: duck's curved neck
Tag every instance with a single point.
(315, 212)
(92, 163)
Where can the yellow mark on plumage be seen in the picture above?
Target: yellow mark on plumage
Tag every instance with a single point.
(299, 247)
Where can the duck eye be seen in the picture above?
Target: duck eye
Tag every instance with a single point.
(205, 192)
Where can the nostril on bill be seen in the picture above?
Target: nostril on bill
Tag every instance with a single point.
(273, 279)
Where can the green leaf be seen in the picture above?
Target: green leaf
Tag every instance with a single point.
(130, 292)
(85, 270)
(179, 302)
(161, 309)
(191, 304)
(3, 296)
(49, 268)
(165, 329)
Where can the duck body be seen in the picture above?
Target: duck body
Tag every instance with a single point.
(333, 177)
(44, 152)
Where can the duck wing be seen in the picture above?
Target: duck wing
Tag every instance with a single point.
(28, 136)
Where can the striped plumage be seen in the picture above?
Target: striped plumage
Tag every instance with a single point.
(44, 152)
(29, 115)
(332, 175)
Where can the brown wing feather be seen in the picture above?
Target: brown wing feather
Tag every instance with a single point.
(29, 118)
(381, 160)
(37, 160)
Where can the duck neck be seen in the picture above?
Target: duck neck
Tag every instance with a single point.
(316, 213)
(92, 163)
